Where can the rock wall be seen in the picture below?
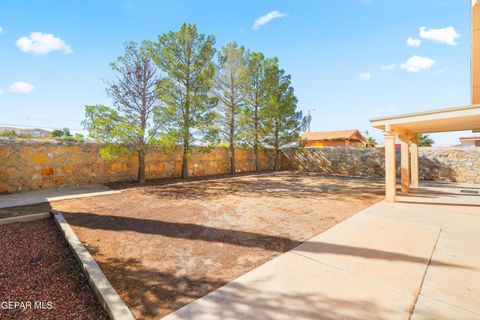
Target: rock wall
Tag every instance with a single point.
(438, 164)
(30, 164)
(33, 164)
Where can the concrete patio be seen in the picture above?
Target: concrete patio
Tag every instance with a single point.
(417, 258)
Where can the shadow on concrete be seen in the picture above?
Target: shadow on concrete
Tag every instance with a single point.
(151, 295)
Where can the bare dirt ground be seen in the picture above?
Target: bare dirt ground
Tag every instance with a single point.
(38, 269)
(163, 247)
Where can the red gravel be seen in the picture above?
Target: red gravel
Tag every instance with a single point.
(36, 266)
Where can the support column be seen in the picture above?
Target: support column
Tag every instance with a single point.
(414, 162)
(390, 167)
(405, 163)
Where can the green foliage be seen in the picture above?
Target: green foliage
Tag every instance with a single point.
(252, 120)
(129, 128)
(8, 133)
(283, 123)
(79, 137)
(424, 140)
(230, 80)
(246, 100)
(64, 133)
(187, 115)
(57, 133)
(116, 131)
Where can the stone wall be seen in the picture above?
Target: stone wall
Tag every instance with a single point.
(438, 164)
(30, 164)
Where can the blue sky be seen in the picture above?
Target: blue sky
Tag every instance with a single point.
(334, 50)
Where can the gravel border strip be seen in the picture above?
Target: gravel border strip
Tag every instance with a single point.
(26, 218)
(106, 294)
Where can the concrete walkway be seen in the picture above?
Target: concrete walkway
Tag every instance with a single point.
(46, 195)
(416, 259)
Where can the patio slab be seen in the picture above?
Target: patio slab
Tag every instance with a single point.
(46, 195)
(385, 250)
(296, 287)
(411, 259)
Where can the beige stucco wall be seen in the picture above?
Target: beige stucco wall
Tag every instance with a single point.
(30, 164)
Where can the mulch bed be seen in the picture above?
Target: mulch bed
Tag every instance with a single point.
(38, 270)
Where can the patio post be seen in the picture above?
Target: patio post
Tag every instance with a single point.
(414, 162)
(390, 166)
(405, 163)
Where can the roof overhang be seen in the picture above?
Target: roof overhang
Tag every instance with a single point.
(439, 120)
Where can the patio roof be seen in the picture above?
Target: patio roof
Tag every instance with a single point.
(406, 127)
(439, 120)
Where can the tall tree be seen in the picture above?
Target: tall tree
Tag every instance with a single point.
(283, 122)
(229, 87)
(424, 140)
(252, 119)
(185, 56)
(128, 128)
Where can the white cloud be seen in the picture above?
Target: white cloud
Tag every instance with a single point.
(365, 76)
(417, 64)
(1, 91)
(446, 35)
(263, 20)
(42, 43)
(21, 87)
(1, 30)
(388, 67)
(412, 42)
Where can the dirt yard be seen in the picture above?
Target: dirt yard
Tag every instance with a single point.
(164, 246)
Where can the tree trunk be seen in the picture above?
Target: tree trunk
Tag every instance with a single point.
(185, 162)
(232, 136)
(276, 165)
(277, 160)
(141, 167)
(255, 140)
(231, 152)
(257, 157)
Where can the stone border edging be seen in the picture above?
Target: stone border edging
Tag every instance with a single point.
(106, 294)
(26, 218)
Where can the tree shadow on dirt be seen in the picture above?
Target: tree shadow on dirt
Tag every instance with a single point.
(292, 186)
(150, 293)
(192, 231)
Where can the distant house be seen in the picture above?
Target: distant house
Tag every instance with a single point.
(469, 142)
(33, 132)
(343, 138)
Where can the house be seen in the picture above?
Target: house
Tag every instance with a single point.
(33, 132)
(342, 138)
(470, 141)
